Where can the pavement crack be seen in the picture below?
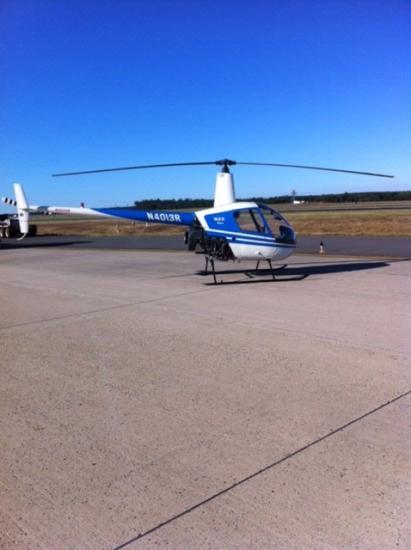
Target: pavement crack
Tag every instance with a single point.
(266, 468)
(102, 310)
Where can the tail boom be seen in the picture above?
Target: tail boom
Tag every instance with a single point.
(148, 216)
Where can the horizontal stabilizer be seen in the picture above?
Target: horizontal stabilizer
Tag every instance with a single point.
(10, 202)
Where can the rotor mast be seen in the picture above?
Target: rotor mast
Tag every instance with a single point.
(224, 186)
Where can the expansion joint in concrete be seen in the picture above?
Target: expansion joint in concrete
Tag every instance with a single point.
(261, 471)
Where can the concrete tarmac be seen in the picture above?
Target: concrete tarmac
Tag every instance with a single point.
(142, 407)
(392, 247)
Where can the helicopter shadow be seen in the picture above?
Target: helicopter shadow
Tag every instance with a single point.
(294, 272)
(33, 244)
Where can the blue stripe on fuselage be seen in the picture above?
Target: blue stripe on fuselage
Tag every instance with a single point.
(251, 239)
(261, 243)
(152, 216)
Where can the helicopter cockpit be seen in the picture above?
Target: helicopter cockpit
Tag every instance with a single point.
(264, 219)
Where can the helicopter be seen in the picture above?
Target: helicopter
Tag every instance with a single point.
(230, 230)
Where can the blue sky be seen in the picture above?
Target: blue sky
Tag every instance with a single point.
(89, 84)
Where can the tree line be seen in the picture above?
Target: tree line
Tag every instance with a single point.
(181, 204)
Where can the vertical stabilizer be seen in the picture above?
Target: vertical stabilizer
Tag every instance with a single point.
(22, 209)
(224, 189)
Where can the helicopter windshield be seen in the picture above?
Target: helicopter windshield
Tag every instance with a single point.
(279, 226)
(250, 219)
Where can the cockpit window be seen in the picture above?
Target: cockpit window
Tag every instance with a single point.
(278, 225)
(250, 220)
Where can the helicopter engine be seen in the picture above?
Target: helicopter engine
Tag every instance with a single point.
(214, 247)
(218, 248)
(193, 236)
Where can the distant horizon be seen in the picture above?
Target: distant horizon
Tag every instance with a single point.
(378, 191)
(131, 204)
(366, 196)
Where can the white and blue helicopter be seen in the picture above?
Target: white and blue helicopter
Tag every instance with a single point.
(230, 230)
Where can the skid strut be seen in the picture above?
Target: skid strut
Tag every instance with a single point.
(213, 268)
(271, 267)
(210, 261)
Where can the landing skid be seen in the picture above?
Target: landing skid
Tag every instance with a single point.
(210, 260)
(276, 270)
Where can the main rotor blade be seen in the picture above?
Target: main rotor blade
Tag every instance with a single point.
(138, 167)
(225, 163)
(316, 168)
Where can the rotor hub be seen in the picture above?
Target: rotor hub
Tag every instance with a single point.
(225, 163)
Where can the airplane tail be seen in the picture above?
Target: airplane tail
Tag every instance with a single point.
(22, 207)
